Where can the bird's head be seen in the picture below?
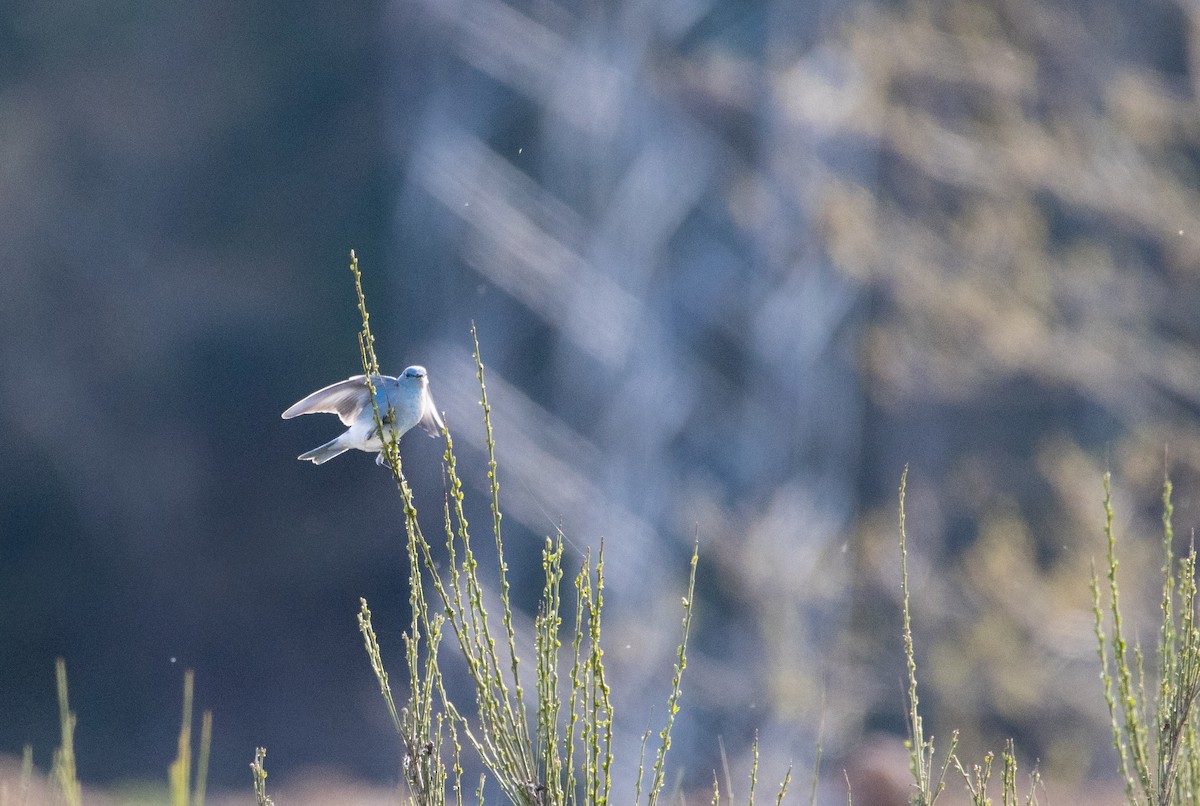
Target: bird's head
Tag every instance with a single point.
(415, 373)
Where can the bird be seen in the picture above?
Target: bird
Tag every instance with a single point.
(403, 402)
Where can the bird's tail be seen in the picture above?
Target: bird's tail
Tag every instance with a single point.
(321, 455)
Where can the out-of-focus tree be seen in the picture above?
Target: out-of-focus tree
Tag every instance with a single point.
(755, 257)
(734, 264)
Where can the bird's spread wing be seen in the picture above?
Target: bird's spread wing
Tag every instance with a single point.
(345, 399)
(430, 420)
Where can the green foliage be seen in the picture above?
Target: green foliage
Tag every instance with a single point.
(976, 780)
(64, 785)
(1158, 752)
(179, 775)
(783, 786)
(929, 778)
(921, 750)
(1157, 740)
(62, 772)
(556, 748)
(259, 771)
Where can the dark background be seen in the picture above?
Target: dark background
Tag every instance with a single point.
(733, 265)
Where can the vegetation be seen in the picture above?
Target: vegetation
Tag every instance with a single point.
(553, 745)
(1155, 737)
(542, 731)
(63, 783)
(929, 778)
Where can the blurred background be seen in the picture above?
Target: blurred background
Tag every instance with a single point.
(733, 265)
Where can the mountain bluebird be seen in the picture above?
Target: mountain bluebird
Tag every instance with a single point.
(403, 402)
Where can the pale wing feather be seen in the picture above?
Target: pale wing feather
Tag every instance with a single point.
(344, 398)
(430, 420)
